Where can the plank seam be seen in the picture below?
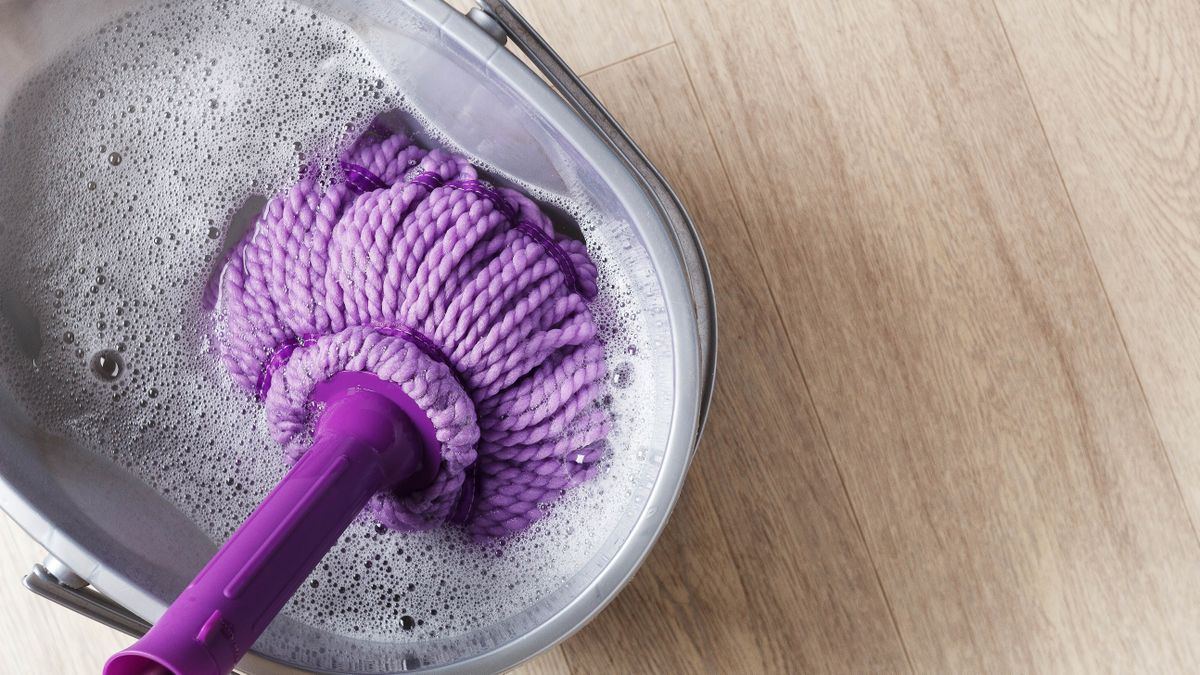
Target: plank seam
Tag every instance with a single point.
(1162, 446)
(668, 43)
(791, 347)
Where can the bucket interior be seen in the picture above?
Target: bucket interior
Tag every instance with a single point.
(124, 476)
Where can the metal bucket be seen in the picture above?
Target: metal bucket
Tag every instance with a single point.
(105, 530)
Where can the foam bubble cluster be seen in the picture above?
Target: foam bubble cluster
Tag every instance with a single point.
(133, 163)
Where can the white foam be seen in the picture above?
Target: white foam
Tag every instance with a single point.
(125, 162)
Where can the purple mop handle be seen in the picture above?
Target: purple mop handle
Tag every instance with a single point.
(364, 443)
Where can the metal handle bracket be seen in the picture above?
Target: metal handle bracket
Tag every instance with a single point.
(85, 600)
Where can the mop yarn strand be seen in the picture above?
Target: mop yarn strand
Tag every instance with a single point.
(408, 266)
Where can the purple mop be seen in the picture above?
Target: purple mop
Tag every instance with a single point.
(424, 347)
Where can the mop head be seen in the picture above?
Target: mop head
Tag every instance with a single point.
(409, 267)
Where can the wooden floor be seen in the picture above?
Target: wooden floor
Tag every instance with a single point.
(957, 254)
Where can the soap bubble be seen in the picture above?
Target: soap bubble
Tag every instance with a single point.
(154, 395)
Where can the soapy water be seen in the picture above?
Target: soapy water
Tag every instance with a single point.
(137, 159)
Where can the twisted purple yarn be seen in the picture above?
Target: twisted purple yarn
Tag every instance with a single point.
(411, 268)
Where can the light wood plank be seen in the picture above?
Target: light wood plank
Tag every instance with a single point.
(1117, 86)
(762, 568)
(960, 350)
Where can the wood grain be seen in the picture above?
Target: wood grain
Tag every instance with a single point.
(956, 253)
(762, 567)
(1131, 162)
(961, 354)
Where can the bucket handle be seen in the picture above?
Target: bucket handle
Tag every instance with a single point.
(84, 600)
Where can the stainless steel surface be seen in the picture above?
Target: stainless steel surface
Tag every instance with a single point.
(84, 600)
(489, 25)
(65, 575)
